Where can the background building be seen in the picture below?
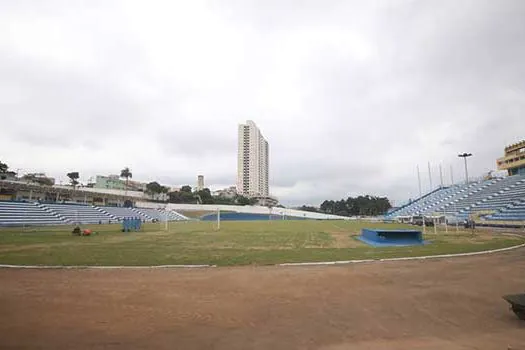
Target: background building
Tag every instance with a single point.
(229, 192)
(114, 182)
(200, 182)
(252, 161)
(514, 159)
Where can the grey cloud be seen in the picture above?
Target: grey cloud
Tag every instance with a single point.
(351, 95)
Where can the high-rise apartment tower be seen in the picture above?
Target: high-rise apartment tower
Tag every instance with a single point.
(252, 161)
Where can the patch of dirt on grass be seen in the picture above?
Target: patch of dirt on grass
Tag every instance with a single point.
(465, 237)
(344, 240)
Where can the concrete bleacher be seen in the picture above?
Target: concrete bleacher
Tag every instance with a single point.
(26, 214)
(514, 212)
(513, 193)
(160, 214)
(473, 192)
(503, 197)
(496, 197)
(79, 214)
(435, 200)
(120, 213)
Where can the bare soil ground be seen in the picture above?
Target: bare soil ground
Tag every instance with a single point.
(438, 304)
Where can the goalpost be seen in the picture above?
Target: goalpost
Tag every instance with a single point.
(218, 219)
(166, 219)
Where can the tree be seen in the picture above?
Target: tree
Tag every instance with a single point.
(126, 174)
(205, 196)
(242, 200)
(309, 208)
(3, 168)
(154, 188)
(361, 205)
(73, 178)
(174, 197)
(328, 206)
(39, 178)
(183, 196)
(4, 173)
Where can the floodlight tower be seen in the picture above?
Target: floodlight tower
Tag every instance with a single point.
(465, 156)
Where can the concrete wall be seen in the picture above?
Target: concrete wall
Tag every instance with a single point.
(133, 194)
(242, 209)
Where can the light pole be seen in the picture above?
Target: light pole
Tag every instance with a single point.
(465, 156)
(419, 182)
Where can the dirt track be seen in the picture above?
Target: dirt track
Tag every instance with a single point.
(445, 304)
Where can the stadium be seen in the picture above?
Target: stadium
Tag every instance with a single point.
(189, 247)
(236, 175)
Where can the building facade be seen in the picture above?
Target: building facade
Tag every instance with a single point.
(252, 161)
(200, 183)
(229, 192)
(114, 182)
(514, 159)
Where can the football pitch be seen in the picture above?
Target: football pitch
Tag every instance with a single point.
(236, 243)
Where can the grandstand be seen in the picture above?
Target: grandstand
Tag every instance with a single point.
(78, 213)
(13, 213)
(494, 199)
(26, 214)
(29, 204)
(160, 214)
(514, 212)
(120, 213)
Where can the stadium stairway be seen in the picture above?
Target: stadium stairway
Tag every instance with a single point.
(120, 213)
(160, 214)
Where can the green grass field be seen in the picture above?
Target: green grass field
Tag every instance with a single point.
(237, 243)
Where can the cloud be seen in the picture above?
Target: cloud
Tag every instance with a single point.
(351, 96)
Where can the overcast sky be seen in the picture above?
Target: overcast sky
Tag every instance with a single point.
(351, 95)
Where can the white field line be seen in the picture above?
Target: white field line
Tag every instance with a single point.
(404, 258)
(103, 267)
(339, 262)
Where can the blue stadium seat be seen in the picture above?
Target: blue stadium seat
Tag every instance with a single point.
(27, 214)
(79, 213)
(503, 196)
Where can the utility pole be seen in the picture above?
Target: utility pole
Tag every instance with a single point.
(441, 174)
(166, 217)
(465, 156)
(445, 218)
(419, 182)
(429, 176)
(456, 211)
